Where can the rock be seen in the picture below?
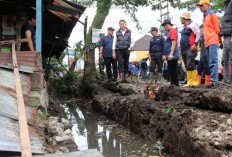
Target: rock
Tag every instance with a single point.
(54, 143)
(222, 127)
(55, 129)
(228, 133)
(65, 121)
(217, 135)
(207, 135)
(229, 121)
(222, 116)
(68, 132)
(53, 120)
(64, 150)
(58, 152)
(214, 122)
(62, 138)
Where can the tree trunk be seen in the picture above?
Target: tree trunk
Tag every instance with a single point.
(103, 7)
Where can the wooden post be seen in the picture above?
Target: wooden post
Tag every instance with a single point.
(38, 25)
(23, 128)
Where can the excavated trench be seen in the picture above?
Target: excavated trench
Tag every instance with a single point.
(189, 122)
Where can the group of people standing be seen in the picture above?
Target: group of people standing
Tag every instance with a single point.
(117, 49)
(206, 38)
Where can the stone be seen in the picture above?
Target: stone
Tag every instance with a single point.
(53, 120)
(222, 116)
(68, 132)
(64, 150)
(55, 129)
(214, 122)
(207, 135)
(54, 143)
(229, 121)
(222, 127)
(62, 138)
(58, 152)
(65, 122)
(217, 135)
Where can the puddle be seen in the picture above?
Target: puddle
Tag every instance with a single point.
(92, 131)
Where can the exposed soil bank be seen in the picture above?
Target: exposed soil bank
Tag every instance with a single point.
(198, 122)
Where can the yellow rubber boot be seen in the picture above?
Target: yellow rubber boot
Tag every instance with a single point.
(195, 81)
(189, 79)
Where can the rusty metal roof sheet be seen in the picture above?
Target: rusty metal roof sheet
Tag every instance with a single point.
(26, 61)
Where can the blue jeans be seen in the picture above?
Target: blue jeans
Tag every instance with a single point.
(203, 65)
(143, 72)
(212, 54)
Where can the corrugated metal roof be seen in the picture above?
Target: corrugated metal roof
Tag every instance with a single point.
(10, 139)
(8, 102)
(26, 61)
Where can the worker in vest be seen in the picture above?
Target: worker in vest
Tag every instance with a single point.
(211, 35)
(190, 37)
(226, 32)
(122, 45)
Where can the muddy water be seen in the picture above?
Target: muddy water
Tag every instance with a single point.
(92, 131)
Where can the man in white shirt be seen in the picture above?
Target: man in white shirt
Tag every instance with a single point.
(122, 45)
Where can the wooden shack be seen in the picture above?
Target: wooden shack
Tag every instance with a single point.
(54, 24)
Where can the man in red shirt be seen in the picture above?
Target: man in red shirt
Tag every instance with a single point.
(171, 51)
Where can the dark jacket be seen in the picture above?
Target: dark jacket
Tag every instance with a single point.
(123, 41)
(157, 46)
(226, 27)
(202, 45)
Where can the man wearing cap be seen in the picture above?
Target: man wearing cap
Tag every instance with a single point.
(226, 32)
(171, 51)
(106, 52)
(156, 51)
(122, 45)
(190, 37)
(211, 35)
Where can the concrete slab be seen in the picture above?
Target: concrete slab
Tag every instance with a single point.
(84, 153)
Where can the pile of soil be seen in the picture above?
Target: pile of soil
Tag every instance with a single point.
(188, 121)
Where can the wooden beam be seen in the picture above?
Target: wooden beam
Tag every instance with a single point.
(38, 26)
(24, 132)
(62, 9)
(12, 41)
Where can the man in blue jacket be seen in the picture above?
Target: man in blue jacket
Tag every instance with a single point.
(156, 51)
(106, 52)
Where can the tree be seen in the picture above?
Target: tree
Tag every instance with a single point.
(216, 5)
(103, 8)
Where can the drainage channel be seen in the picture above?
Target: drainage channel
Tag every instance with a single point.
(93, 131)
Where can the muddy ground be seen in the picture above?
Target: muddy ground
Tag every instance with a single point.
(189, 122)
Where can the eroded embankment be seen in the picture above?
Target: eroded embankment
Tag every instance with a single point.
(189, 122)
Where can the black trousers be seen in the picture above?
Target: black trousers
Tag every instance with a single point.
(173, 71)
(108, 62)
(156, 60)
(123, 56)
(189, 57)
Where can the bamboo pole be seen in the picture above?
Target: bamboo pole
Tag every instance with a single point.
(23, 128)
